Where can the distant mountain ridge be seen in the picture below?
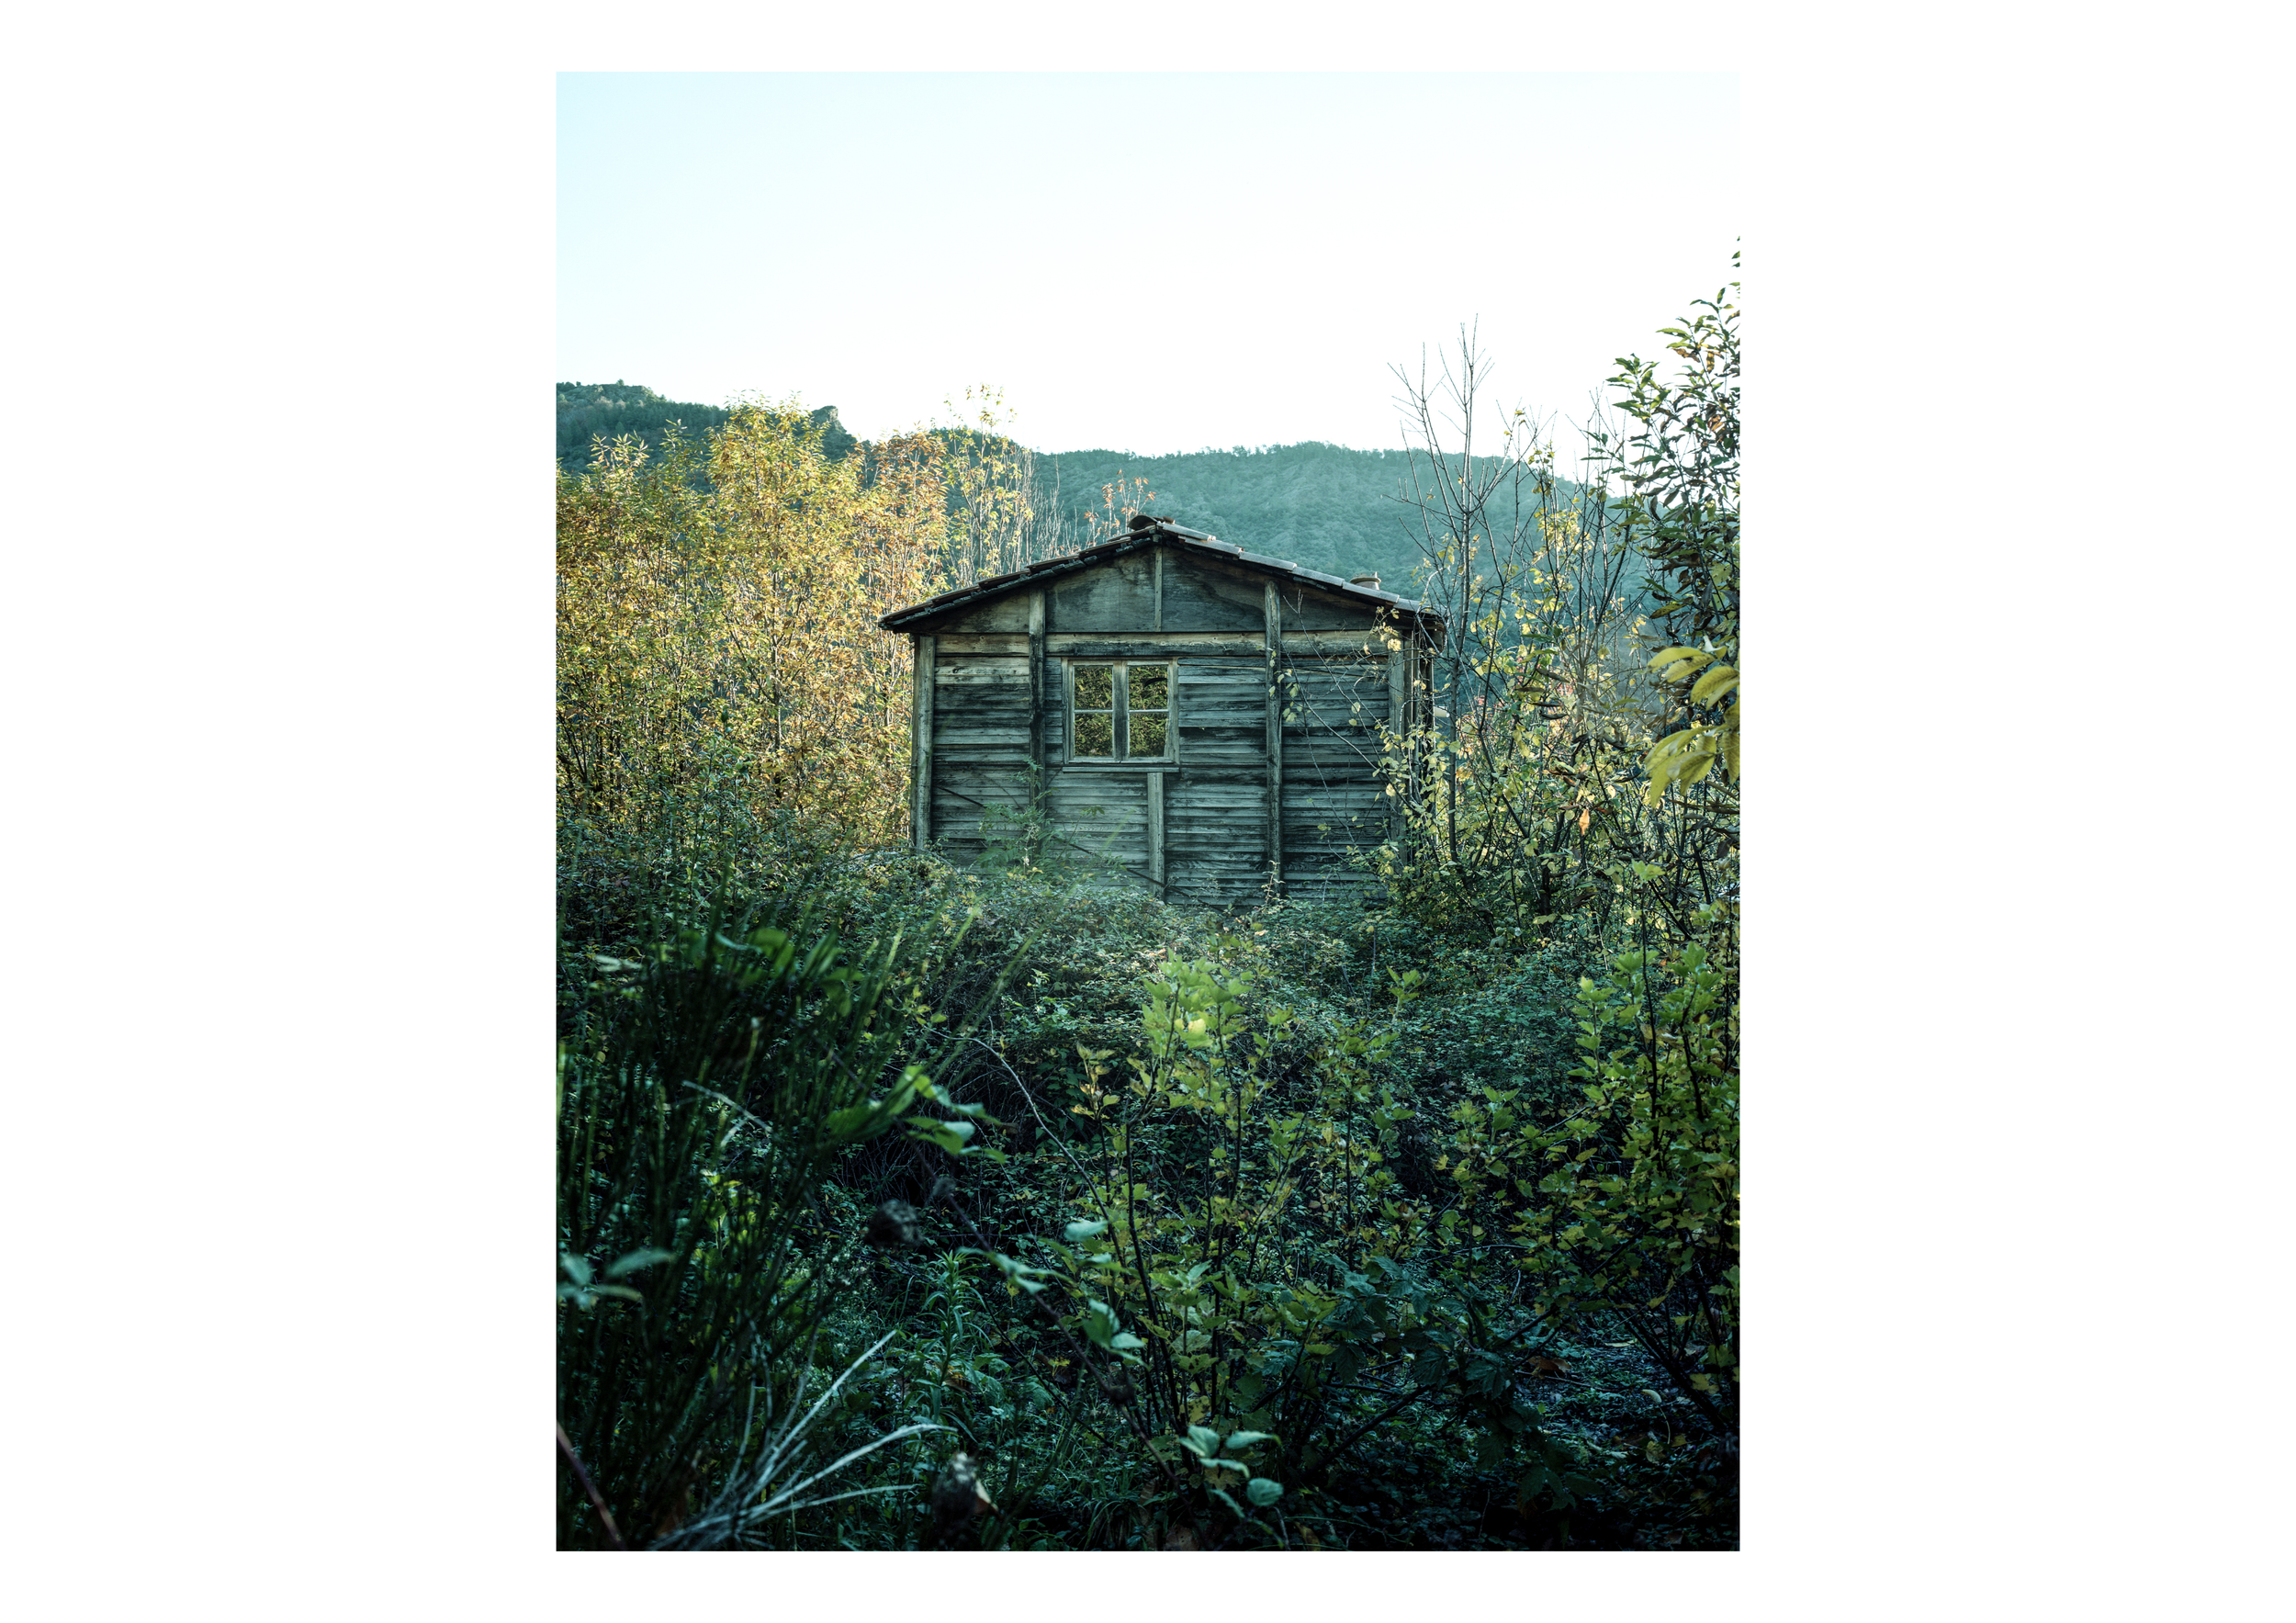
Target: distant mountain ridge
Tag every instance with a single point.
(589, 409)
(1328, 507)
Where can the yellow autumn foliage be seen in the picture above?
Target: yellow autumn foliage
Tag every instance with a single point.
(716, 620)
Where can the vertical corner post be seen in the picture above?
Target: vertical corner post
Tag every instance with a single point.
(1155, 835)
(1399, 725)
(1036, 683)
(921, 748)
(1274, 604)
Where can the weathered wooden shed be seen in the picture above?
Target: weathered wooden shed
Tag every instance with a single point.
(1196, 716)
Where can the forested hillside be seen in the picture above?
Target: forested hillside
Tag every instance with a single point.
(1341, 511)
(589, 411)
(1330, 507)
(908, 1202)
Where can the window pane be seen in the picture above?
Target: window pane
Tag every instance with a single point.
(1093, 733)
(1095, 687)
(1150, 686)
(1147, 732)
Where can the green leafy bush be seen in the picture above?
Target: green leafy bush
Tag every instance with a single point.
(703, 1099)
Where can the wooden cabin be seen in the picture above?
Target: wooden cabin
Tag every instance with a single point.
(1181, 711)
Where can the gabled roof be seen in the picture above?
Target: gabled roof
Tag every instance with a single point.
(1156, 532)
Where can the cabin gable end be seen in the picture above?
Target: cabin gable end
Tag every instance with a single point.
(1169, 711)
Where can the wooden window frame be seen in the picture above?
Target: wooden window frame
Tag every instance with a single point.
(1119, 712)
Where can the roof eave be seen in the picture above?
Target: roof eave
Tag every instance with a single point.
(1115, 546)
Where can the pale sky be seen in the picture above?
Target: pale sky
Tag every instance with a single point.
(1149, 263)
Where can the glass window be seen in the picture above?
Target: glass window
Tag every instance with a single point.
(1120, 710)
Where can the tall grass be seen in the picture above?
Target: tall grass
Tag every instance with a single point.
(705, 1092)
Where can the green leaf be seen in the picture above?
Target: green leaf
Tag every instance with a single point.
(636, 1260)
(1082, 1230)
(1022, 1274)
(577, 1268)
(1262, 1492)
(1203, 1440)
(845, 1123)
(1713, 685)
(1244, 1439)
(1231, 1464)
(1222, 1494)
(952, 1136)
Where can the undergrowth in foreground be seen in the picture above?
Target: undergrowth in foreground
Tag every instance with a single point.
(1182, 1229)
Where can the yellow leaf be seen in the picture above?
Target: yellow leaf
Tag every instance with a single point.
(1714, 684)
(1692, 659)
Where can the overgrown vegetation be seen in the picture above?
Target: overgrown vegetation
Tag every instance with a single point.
(902, 1206)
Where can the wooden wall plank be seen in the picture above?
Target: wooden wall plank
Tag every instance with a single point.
(1330, 800)
(1006, 613)
(1330, 761)
(1200, 594)
(1222, 712)
(1116, 596)
(962, 805)
(1310, 608)
(1145, 644)
(1250, 645)
(1214, 848)
(980, 779)
(1335, 713)
(1333, 668)
(1334, 804)
(1212, 747)
(1101, 799)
